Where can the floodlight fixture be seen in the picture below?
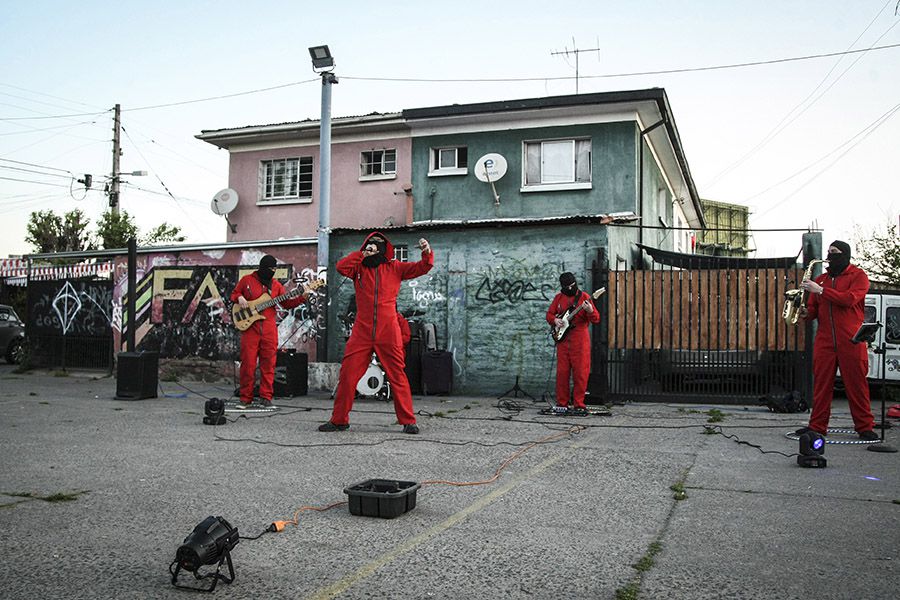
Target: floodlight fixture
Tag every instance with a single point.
(215, 412)
(812, 450)
(321, 57)
(210, 543)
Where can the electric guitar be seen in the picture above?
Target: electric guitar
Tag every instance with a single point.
(559, 333)
(243, 318)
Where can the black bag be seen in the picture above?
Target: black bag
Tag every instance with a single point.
(785, 403)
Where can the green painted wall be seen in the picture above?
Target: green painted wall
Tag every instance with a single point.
(487, 296)
(613, 163)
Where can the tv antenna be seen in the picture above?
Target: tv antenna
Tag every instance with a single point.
(223, 203)
(576, 51)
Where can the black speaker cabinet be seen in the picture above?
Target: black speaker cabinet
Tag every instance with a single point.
(291, 374)
(437, 372)
(413, 365)
(137, 375)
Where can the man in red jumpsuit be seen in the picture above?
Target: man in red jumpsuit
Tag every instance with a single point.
(259, 341)
(573, 353)
(837, 299)
(376, 277)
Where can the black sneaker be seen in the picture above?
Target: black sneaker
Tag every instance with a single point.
(868, 436)
(329, 426)
(242, 405)
(266, 403)
(579, 411)
(411, 428)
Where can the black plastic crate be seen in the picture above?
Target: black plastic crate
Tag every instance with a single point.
(384, 498)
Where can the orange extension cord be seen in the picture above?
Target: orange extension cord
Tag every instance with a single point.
(278, 526)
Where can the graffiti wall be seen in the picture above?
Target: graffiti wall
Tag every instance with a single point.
(183, 306)
(487, 295)
(69, 323)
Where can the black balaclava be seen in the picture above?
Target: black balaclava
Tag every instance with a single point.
(567, 284)
(376, 259)
(838, 262)
(266, 269)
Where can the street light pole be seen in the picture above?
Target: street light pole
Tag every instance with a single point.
(323, 63)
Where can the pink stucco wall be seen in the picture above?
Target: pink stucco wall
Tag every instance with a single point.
(354, 203)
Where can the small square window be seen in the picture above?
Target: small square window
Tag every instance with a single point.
(563, 164)
(401, 252)
(378, 164)
(286, 179)
(448, 161)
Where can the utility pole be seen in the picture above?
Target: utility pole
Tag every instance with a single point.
(117, 152)
(576, 52)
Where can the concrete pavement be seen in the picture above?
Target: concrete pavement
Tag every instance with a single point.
(590, 514)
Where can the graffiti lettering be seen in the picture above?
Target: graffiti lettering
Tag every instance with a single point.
(513, 292)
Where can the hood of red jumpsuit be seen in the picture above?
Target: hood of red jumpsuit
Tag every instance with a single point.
(389, 247)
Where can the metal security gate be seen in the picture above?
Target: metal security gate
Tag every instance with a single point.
(701, 334)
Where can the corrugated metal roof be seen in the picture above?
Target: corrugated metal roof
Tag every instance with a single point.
(603, 219)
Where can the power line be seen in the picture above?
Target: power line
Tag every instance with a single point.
(257, 91)
(35, 182)
(35, 172)
(784, 123)
(87, 114)
(634, 74)
(19, 162)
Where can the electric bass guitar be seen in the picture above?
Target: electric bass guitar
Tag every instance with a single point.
(243, 318)
(559, 333)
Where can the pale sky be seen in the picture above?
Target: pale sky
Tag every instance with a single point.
(803, 143)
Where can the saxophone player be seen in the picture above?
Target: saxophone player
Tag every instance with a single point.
(837, 300)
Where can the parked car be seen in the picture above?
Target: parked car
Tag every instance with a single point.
(12, 335)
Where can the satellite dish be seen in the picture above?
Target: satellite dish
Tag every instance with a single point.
(224, 201)
(490, 167)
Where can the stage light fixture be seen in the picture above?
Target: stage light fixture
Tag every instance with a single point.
(812, 450)
(215, 412)
(210, 543)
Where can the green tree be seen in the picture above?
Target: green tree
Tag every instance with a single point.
(114, 231)
(878, 253)
(49, 232)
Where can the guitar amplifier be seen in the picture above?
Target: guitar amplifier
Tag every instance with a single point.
(291, 374)
(437, 372)
(137, 375)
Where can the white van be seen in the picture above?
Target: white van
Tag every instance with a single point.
(884, 308)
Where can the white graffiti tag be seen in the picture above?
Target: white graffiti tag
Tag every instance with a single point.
(66, 305)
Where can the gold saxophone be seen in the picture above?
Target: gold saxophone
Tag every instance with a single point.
(795, 300)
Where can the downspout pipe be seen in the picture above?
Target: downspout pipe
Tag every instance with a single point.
(644, 132)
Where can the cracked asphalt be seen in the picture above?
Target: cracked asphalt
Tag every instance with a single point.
(565, 507)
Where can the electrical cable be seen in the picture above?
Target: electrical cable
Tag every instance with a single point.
(710, 429)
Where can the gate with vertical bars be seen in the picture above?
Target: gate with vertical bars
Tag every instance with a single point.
(700, 332)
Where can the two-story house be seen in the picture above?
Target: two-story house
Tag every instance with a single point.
(587, 177)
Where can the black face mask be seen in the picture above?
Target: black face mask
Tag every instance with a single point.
(374, 260)
(570, 290)
(837, 263)
(266, 274)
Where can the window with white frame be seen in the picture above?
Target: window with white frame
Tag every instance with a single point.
(286, 179)
(401, 252)
(558, 164)
(378, 164)
(448, 161)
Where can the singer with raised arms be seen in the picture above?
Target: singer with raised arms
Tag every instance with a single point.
(376, 278)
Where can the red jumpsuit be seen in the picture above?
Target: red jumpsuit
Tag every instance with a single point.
(573, 354)
(376, 329)
(840, 311)
(260, 340)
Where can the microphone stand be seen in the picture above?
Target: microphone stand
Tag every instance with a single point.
(882, 447)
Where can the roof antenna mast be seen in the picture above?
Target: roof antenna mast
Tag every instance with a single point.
(576, 51)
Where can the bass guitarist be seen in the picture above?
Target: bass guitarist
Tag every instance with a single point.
(573, 352)
(260, 340)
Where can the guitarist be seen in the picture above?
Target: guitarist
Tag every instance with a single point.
(260, 340)
(574, 351)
